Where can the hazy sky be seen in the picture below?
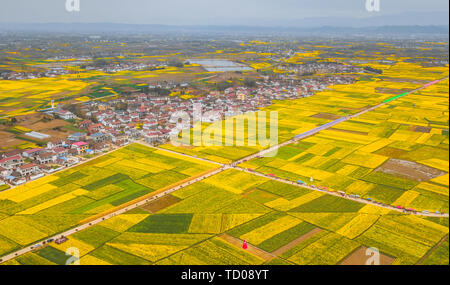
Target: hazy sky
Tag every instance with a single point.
(220, 12)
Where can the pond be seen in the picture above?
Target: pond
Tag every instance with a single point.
(214, 65)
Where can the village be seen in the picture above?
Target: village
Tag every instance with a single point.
(117, 122)
(54, 71)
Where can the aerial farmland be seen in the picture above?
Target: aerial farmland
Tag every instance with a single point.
(161, 145)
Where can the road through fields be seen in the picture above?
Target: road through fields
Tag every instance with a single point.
(234, 166)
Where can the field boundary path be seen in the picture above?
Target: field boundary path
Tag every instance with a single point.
(144, 200)
(296, 241)
(333, 123)
(124, 208)
(433, 249)
(344, 196)
(313, 188)
(260, 253)
(81, 162)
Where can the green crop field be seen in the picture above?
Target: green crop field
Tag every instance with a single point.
(207, 224)
(60, 201)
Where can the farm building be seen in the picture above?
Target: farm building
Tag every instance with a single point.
(65, 115)
(46, 157)
(29, 153)
(28, 169)
(11, 162)
(81, 147)
(37, 135)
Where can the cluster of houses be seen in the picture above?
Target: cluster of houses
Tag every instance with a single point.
(321, 68)
(55, 71)
(305, 87)
(50, 72)
(127, 66)
(149, 115)
(19, 166)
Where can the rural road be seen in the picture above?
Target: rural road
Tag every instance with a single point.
(326, 126)
(345, 196)
(308, 134)
(310, 187)
(234, 166)
(110, 215)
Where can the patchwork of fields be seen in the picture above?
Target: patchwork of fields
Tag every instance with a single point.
(300, 115)
(21, 97)
(396, 154)
(206, 223)
(25, 96)
(55, 203)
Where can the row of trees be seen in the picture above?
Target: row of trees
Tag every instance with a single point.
(222, 85)
(371, 69)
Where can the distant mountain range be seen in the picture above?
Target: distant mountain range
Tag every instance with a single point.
(375, 20)
(430, 23)
(322, 30)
